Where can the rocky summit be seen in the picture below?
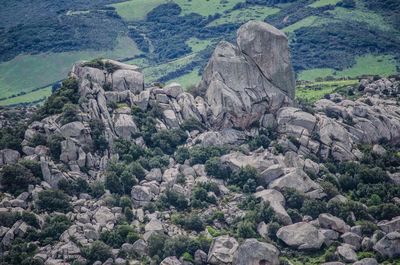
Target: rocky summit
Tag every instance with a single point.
(235, 171)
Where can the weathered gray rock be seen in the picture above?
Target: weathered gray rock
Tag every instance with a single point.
(347, 253)
(329, 221)
(390, 226)
(277, 202)
(253, 252)
(301, 236)
(123, 123)
(141, 194)
(389, 245)
(271, 173)
(268, 48)
(140, 247)
(352, 239)
(200, 256)
(69, 151)
(173, 90)
(298, 180)
(330, 236)
(367, 261)
(222, 250)
(72, 129)
(367, 244)
(8, 156)
(295, 121)
(104, 215)
(239, 85)
(171, 261)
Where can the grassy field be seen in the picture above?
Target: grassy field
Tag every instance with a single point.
(242, 16)
(324, 3)
(372, 19)
(206, 7)
(29, 97)
(188, 80)
(197, 44)
(381, 65)
(305, 22)
(316, 90)
(27, 72)
(155, 72)
(136, 9)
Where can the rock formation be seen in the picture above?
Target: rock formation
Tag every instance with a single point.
(205, 155)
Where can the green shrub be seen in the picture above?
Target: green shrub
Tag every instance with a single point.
(99, 144)
(181, 155)
(97, 189)
(367, 227)
(194, 222)
(33, 166)
(295, 215)
(200, 198)
(21, 252)
(168, 140)
(313, 208)
(112, 182)
(54, 144)
(97, 251)
(11, 137)
(37, 139)
(172, 198)
(385, 211)
(272, 230)
(8, 219)
(16, 178)
(66, 94)
(112, 238)
(150, 206)
(69, 113)
(215, 168)
(192, 124)
(101, 64)
(54, 200)
(246, 178)
(294, 198)
(330, 189)
(30, 219)
(187, 257)
(51, 230)
(128, 214)
(246, 229)
(125, 201)
(107, 86)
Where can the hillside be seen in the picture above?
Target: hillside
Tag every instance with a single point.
(235, 171)
(172, 40)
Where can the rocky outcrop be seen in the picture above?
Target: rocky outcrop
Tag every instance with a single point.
(277, 202)
(222, 250)
(329, 221)
(390, 226)
(253, 252)
(243, 83)
(301, 236)
(389, 245)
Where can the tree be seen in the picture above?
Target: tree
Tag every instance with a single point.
(69, 113)
(54, 144)
(54, 200)
(16, 177)
(97, 251)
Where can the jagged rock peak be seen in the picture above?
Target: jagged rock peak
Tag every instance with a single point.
(269, 49)
(243, 83)
(107, 74)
